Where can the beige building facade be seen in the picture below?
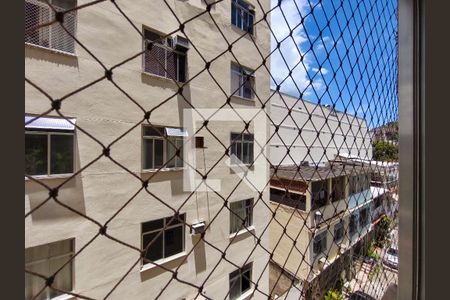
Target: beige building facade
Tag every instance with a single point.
(104, 213)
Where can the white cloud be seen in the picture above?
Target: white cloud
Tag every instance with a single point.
(291, 49)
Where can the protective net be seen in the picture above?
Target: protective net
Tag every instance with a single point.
(190, 149)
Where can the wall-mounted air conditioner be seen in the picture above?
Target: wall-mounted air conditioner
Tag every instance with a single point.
(198, 228)
(180, 43)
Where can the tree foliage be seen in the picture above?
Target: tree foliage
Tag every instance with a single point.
(385, 151)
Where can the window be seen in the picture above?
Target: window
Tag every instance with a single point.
(49, 146)
(242, 81)
(320, 243)
(242, 15)
(170, 240)
(243, 215)
(161, 145)
(166, 57)
(353, 225)
(288, 198)
(242, 147)
(338, 188)
(339, 232)
(37, 12)
(364, 217)
(319, 193)
(240, 281)
(46, 260)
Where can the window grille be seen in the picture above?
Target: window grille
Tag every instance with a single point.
(54, 36)
(162, 59)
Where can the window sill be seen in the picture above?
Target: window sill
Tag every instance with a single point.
(63, 297)
(50, 177)
(242, 30)
(161, 78)
(246, 294)
(56, 51)
(251, 100)
(242, 232)
(148, 171)
(163, 261)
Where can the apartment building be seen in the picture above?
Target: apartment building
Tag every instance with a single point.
(118, 221)
(307, 129)
(323, 214)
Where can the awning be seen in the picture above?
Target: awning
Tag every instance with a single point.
(49, 123)
(176, 132)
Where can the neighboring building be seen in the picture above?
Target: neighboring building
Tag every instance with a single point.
(314, 133)
(64, 152)
(322, 216)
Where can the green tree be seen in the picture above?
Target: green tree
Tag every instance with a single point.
(333, 295)
(385, 151)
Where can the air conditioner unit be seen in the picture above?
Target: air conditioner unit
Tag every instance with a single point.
(317, 218)
(180, 43)
(198, 228)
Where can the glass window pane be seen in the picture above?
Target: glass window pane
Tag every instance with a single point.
(179, 159)
(60, 248)
(152, 225)
(173, 241)
(63, 280)
(61, 154)
(36, 154)
(34, 284)
(235, 289)
(246, 281)
(245, 154)
(155, 249)
(173, 221)
(171, 150)
(148, 154)
(159, 153)
(181, 67)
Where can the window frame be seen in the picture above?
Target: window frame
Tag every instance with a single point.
(72, 265)
(164, 139)
(241, 10)
(49, 133)
(239, 277)
(183, 242)
(42, 5)
(248, 210)
(240, 142)
(165, 45)
(244, 74)
(323, 237)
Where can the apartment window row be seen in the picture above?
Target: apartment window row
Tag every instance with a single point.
(320, 240)
(167, 57)
(162, 238)
(50, 144)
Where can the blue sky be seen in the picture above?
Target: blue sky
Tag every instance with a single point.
(340, 52)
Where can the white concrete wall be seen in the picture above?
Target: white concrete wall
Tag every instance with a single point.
(350, 135)
(104, 112)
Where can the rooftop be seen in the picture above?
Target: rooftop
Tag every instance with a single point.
(316, 173)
